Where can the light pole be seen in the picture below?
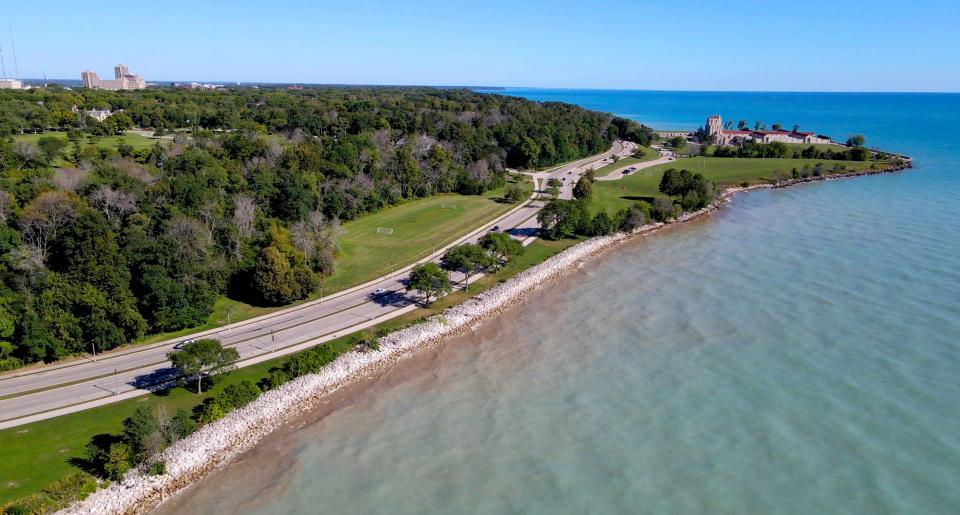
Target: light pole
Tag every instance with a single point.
(93, 345)
(273, 340)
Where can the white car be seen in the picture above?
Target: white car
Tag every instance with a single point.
(379, 291)
(184, 342)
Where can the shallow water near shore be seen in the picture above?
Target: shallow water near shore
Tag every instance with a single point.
(796, 352)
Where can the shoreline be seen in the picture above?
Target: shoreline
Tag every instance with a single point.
(214, 446)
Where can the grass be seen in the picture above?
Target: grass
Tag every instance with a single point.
(39, 453)
(133, 139)
(644, 184)
(419, 227)
(649, 154)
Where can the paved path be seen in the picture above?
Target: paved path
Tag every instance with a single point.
(666, 157)
(40, 393)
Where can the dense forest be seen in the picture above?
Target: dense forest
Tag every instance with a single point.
(101, 246)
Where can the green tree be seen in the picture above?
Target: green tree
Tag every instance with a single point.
(467, 259)
(583, 189)
(501, 246)
(203, 356)
(857, 140)
(602, 224)
(558, 219)
(514, 193)
(430, 279)
(141, 433)
(51, 147)
(118, 461)
(274, 278)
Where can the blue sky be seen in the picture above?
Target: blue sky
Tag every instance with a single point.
(794, 45)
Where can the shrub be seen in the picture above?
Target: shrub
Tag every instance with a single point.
(159, 468)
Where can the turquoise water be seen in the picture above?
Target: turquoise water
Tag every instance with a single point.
(798, 352)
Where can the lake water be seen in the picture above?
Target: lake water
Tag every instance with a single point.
(797, 352)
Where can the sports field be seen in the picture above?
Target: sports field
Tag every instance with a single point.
(418, 228)
(644, 184)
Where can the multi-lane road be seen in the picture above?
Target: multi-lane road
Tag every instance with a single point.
(45, 392)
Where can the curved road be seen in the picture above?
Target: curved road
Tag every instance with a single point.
(46, 392)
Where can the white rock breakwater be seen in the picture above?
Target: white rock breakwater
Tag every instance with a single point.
(214, 445)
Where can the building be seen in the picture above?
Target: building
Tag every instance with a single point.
(723, 136)
(97, 114)
(11, 84)
(123, 79)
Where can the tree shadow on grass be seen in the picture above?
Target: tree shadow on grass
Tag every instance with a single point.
(637, 198)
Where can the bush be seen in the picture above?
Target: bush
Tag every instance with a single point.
(159, 468)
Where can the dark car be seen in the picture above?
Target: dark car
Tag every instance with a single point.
(495, 228)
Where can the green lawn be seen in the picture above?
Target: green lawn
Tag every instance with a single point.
(39, 453)
(130, 138)
(419, 227)
(615, 195)
(649, 154)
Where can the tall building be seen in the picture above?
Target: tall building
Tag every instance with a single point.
(123, 79)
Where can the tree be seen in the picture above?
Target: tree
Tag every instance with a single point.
(203, 356)
(514, 193)
(274, 279)
(602, 224)
(857, 140)
(776, 127)
(430, 279)
(741, 125)
(583, 189)
(553, 187)
(467, 259)
(51, 147)
(796, 127)
(141, 433)
(501, 246)
(677, 142)
(558, 219)
(118, 461)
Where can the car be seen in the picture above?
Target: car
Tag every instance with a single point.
(495, 228)
(379, 291)
(184, 342)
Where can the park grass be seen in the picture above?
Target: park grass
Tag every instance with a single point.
(40, 453)
(419, 227)
(611, 196)
(649, 154)
(135, 140)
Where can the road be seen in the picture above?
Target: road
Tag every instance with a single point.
(46, 392)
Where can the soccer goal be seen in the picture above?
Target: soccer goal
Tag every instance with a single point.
(449, 206)
(385, 230)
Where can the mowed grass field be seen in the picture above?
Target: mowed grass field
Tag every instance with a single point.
(649, 154)
(418, 227)
(725, 171)
(133, 139)
(40, 453)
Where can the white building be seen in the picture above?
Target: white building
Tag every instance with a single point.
(731, 137)
(11, 84)
(123, 79)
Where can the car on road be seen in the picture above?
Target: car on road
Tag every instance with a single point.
(495, 228)
(379, 292)
(184, 342)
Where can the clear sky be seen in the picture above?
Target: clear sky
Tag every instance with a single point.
(794, 45)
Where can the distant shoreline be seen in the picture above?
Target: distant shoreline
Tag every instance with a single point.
(216, 445)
